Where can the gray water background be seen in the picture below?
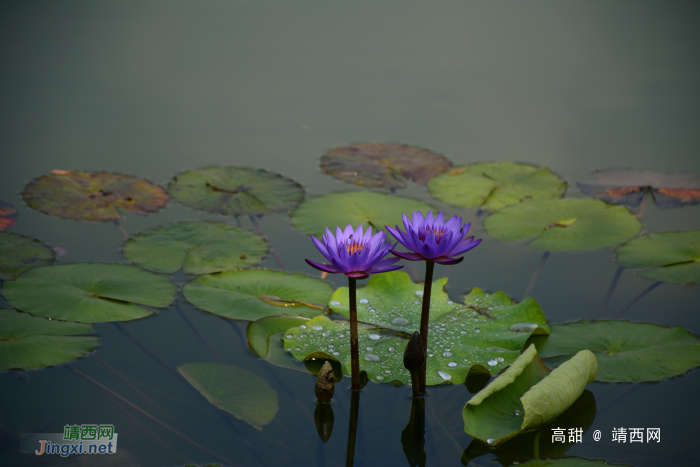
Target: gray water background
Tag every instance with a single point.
(155, 88)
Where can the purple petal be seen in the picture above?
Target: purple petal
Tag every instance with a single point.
(357, 236)
(418, 219)
(368, 235)
(357, 275)
(330, 241)
(440, 219)
(398, 235)
(408, 256)
(464, 248)
(454, 223)
(431, 244)
(340, 238)
(448, 260)
(445, 244)
(320, 247)
(323, 267)
(347, 232)
(406, 223)
(430, 220)
(466, 227)
(384, 269)
(386, 262)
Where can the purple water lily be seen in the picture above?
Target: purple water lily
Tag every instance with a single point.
(353, 253)
(433, 239)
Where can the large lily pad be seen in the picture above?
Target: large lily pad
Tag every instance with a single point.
(486, 335)
(626, 352)
(196, 247)
(355, 207)
(625, 186)
(8, 215)
(28, 342)
(495, 185)
(252, 294)
(673, 257)
(84, 196)
(19, 253)
(236, 191)
(564, 225)
(235, 390)
(526, 396)
(90, 292)
(259, 332)
(383, 165)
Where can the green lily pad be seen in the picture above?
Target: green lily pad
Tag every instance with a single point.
(383, 165)
(19, 253)
(236, 191)
(355, 207)
(259, 332)
(29, 343)
(526, 396)
(90, 292)
(564, 224)
(196, 247)
(235, 390)
(460, 337)
(8, 215)
(252, 294)
(673, 257)
(84, 196)
(627, 352)
(495, 185)
(570, 462)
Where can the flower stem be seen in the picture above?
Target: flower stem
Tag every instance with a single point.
(352, 429)
(425, 314)
(531, 285)
(638, 298)
(354, 357)
(611, 290)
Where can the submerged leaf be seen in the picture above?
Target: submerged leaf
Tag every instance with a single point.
(84, 196)
(259, 332)
(673, 257)
(8, 215)
(90, 292)
(196, 247)
(28, 342)
(19, 253)
(235, 390)
(564, 225)
(626, 352)
(236, 191)
(495, 185)
(356, 208)
(383, 165)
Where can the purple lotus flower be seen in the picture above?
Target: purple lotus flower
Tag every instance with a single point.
(355, 254)
(433, 239)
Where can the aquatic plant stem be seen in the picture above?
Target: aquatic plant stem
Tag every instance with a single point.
(424, 317)
(352, 430)
(121, 229)
(354, 353)
(196, 333)
(638, 298)
(262, 234)
(611, 290)
(536, 274)
(642, 205)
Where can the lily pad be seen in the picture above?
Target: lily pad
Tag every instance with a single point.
(625, 186)
(252, 294)
(196, 247)
(90, 292)
(673, 257)
(85, 196)
(495, 185)
(29, 343)
(259, 332)
(460, 337)
(235, 390)
(383, 165)
(570, 462)
(236, 191)
(626, 352)
(564, 224)
(355, 207)
(526, 396)
(8, 215)
(19, 253)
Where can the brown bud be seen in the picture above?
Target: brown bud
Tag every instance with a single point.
(413, 356)
(325, 383)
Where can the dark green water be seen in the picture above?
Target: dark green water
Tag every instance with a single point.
(155, 88)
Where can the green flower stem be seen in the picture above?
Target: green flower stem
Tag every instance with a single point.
(354, 357)
(425, 314)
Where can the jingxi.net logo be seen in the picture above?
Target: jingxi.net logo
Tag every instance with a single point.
(75, 439)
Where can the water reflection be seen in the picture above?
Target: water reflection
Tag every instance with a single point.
(413, 436)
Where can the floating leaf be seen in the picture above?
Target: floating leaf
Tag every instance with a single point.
(625, 186)
(355, 207)
(236, 191)
(252, 294)
(83, 196)
(235, 390)
(383, 165)
(626, 352)
(571, 462)
(259, 332)
(90, 292)
(526, 396)
(28, 342)
(673, 257)
(8, 215)
(196, 247)
(495, 185)
(564, 225)
(19, 253)
(460, 337)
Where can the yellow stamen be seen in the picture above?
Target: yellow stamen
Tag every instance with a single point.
(354, 247)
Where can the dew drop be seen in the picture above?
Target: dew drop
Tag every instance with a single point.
(297, 349)
(417, 302)
(490, 308)
(447, 354)
(449, 302)
(336, 353)
(317, 328)
(379, 377)
(330, 346)
(370, 348)
(370, 357)
(477, 330)
(374, 337)
(523, 327)
(518, 412)
(419, 293)
(445, 376)
(303, 326)
(492, 362)
(387, 371)
(452, 364)
(400, 321)
(391, 349)
(364, 301)
(462, 332)
(491, 441)
(500, 359)
(497, 349)
(430, 355)
(335, 303)
(302, 335)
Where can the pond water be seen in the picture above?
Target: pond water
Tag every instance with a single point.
(156, 88)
